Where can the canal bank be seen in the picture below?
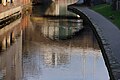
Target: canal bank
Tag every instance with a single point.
(107, 35)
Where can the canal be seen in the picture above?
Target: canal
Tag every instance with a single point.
(51, 43)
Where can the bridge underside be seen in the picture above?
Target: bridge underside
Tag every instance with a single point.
(41, 1)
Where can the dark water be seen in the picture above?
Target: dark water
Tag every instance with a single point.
(51, 44)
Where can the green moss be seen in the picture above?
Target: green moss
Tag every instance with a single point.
(106, 10)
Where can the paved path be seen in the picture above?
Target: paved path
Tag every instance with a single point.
(109, 34)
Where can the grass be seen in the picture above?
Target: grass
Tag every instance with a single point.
(106, 11)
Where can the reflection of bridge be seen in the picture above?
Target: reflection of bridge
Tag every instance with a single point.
(41, 1)
(47, 1)
(46, 31)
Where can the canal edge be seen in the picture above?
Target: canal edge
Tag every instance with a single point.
(104, 46)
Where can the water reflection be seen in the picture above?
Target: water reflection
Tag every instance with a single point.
(11, 51)
(59, 8)
(56, 8)
(61, 29)
(78, 58)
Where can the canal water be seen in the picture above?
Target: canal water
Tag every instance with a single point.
(53, 44)
(58, 47)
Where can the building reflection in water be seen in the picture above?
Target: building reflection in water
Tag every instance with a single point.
(45, 55)
(53, 57)
(78, 58)
(11, 43)
(56, 8)
(61, 29)
(11, 51)
(59, 8)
